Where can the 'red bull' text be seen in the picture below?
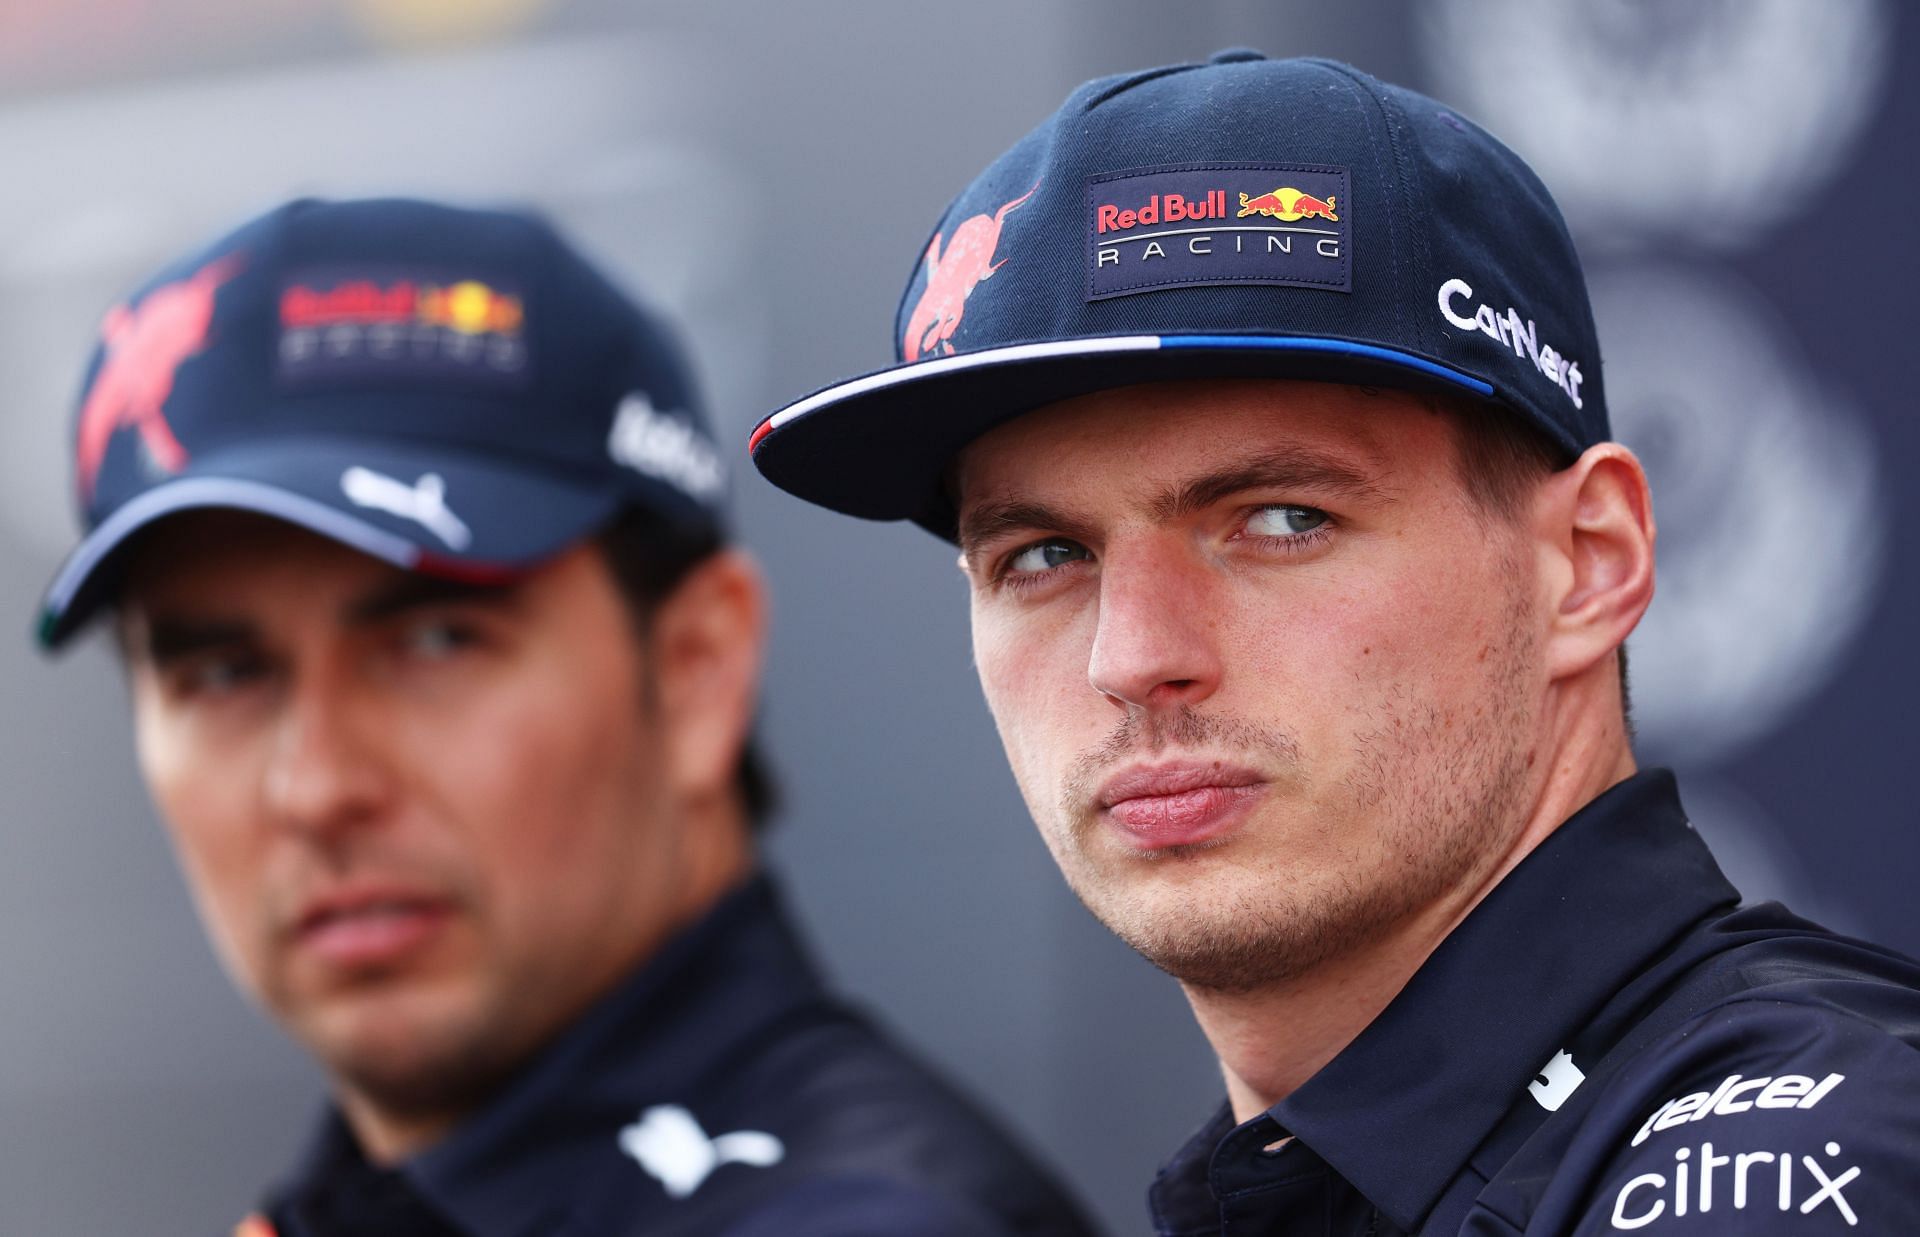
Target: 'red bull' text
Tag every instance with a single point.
(1161, 208)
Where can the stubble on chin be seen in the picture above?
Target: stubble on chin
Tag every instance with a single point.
(1189, 910)
(415, 1060)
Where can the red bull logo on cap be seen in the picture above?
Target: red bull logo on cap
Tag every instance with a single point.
(1288, 204)
(1170, 207)
(1163, 227)
(951, 278)
(352, 325)
(469, 306)
(144, 347)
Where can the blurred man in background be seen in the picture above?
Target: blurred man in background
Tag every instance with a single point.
(1264, 404)
(443, 675)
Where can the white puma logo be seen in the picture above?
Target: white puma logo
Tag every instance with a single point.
(668, 1142)
(424, 501)
(1556, 1080)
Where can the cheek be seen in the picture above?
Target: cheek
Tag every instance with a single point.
(995, 658)
(1444, 628)
(1033, 671)
(538, 782)
(1344, 656)
(212, 825)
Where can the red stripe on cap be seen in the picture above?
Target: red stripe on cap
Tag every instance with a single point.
(466, 572)
(764, 428)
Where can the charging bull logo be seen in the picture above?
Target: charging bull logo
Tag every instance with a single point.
(951, 278)
(1289, 205)
(144, 347)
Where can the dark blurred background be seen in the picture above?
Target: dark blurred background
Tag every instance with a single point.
(1739, 175)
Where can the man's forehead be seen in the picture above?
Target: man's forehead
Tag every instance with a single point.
(1170, 431)
(255, 572)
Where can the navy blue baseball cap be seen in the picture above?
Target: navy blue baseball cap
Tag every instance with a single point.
(455, 391)
(1245, 217)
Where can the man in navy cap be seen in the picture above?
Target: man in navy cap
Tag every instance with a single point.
(1263, 402)
(443, 674)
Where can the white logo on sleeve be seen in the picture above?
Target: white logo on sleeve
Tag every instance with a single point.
(1764, 1180)
(668, 1142)
(665, 445)
(1772, 1177)
(425, 502)
(1556, 1080)
(1737, 1094)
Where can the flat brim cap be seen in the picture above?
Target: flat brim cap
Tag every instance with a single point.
(1243, 218)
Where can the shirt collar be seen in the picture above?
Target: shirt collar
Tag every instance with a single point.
(1181, 1197)
(1399, 1112)
(506, 1171)
(1401, 1109)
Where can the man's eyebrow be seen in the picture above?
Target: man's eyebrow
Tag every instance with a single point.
(1285, 469)
(164, 638)
(986, 520)
(414, 591)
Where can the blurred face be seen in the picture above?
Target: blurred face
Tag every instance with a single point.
(423, 822)
(1266, 675)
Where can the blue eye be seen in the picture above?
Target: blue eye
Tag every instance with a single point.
(1285, 521)
(1044, 556)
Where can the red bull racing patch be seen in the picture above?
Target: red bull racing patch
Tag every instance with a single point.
(356, 326)
(1219, 223)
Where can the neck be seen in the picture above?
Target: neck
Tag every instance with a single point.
(388, 1135)
(1272, 1039)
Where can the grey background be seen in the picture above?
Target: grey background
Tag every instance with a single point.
(768, 171)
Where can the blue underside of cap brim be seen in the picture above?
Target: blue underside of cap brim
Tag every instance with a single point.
(879, 446)
(496, 519)
(1329, 348)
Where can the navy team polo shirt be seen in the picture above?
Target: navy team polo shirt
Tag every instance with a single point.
(719, 1091)
(1607, 1044)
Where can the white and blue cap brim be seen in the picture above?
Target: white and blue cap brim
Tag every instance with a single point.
(880, 446)
(420, 507)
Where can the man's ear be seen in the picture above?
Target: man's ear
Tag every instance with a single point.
(705, 642)
(1594, 522)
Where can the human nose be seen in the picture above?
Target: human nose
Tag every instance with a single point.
(325, 773)
(1155, 645)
